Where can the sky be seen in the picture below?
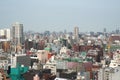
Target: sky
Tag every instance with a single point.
(60, 15)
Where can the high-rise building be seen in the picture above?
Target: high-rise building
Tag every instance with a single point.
(17, 33)
(5, 34)
(76, 33)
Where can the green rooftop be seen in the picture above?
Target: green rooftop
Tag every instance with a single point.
(48, 49)
(83, 54)
(73, 59)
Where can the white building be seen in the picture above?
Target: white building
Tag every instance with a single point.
(6, 33)
(109, 73)
(113, 64)
(2, 32)
(60, 79)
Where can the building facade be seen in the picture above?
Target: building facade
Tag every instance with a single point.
(76, 33)
(17, 33)
(5, 34)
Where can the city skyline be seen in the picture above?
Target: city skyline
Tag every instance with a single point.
(61, 14)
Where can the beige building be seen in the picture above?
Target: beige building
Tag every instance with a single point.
(76, 33)
(42, 55)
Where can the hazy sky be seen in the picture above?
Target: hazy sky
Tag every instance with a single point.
(58, 15)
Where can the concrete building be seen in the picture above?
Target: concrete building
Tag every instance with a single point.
(5, 34)
(5, 37)
(4, 64)
(113, 64)
(51, 66)
(42, 56)
(17, 33)
(21, 59)
(109, 73)
(116, 57)
(76, 33)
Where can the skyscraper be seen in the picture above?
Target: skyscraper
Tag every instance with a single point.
(17, 33)
(76, 33)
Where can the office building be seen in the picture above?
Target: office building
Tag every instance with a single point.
(76, 33)
(17, 33)
(5, 34)
(21, 59)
